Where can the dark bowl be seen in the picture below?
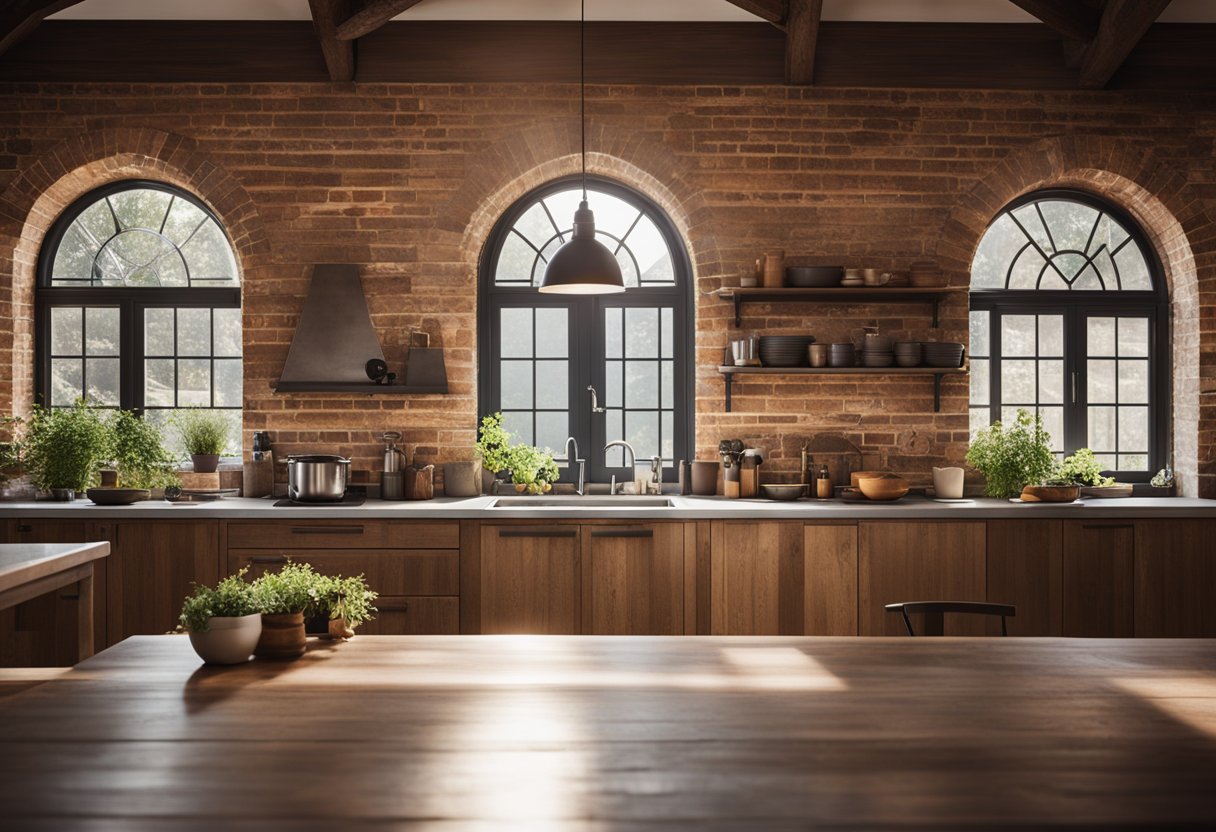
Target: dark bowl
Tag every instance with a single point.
(813, 277)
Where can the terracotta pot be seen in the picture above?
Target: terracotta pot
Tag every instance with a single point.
(228, 640)
(282, 637)
(205, 463)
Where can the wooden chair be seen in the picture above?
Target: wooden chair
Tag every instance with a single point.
(934, 611)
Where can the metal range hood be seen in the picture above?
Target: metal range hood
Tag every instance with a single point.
(334, 340)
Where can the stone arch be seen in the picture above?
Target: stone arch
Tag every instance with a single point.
(1178, 227)
(31, 204)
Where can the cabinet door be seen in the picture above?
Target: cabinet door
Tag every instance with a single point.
(830, 598)
(1026, 569)
(152, 568)
(42, 632)
(529, 579)
(919, 561)
(633, 579)
(415, 616)
(1098, 572)
(756, 578)
(1175, 578)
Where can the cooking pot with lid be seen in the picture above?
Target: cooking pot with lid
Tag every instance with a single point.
(317, 478)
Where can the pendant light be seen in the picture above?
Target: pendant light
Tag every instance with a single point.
(583, 265)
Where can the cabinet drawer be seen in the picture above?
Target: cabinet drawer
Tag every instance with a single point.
(343, 534)
(414, 616)
(388, 572)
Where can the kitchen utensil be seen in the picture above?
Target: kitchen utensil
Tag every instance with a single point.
(462, 479)
(855, 476)
(108, 496)
(392, 485)
(807, 277)
(705, 477)
(317, 478)
(1050, 493)
(774, 269)
(884, 488)
(948, 483)
(818, 355)
(774, 491)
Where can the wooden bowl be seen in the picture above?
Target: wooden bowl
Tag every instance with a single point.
(1050, 493)
(884, 487)
(855, 477)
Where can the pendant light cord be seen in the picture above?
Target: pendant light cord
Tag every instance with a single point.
(582, 86)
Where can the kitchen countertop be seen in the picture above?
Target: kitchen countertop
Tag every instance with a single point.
(682, 508)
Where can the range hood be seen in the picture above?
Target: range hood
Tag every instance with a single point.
(334, 340)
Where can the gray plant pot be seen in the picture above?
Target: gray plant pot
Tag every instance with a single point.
(62, 495)
(205, 463)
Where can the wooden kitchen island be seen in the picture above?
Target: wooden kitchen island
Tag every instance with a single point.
(552, 732)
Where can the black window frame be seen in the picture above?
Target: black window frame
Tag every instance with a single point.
(586, 363)
(130, 301)
(1076, 306)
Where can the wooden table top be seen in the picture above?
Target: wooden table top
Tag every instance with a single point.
(536, 733)
(21, 563)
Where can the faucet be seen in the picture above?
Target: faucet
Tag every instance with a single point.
(633, 463)
(574, 458)
(655, 484)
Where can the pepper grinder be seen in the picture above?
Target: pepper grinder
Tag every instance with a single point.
(823, 484)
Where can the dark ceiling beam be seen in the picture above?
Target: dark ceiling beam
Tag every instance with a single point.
(1077, 21)
(771, 11)
(1123, 24)
(339, 54)
(801, 35)
(20, 17)
(372, 15)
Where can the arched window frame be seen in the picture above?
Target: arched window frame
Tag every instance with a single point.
(587, 364)
(1077, 306)
(131, 302)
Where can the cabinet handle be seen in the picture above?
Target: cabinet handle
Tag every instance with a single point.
(268, 559)
(622, 533)
(392, 605)
(327, 530)
(537, 532)
(1107, 526)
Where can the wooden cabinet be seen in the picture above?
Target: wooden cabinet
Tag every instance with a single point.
(830, 592)
(43, 632)
(530, 579)
(153, 566)
(757, 574)
(1026, 569)
(1098, 569)
(1175, 579)
(919, 561)
(633, 579)
(342, 534)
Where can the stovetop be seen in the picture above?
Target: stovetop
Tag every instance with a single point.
(352, 498)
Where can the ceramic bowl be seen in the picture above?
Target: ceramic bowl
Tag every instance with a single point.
(883, 488)
(782, 491)
(1050, 493)
(855, 477)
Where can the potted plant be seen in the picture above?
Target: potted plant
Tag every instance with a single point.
(204, 434)
(64, 447)
(347, 603)
(532, 470)
(493, 449)
(284, 598)
(140, 458)
(224, 623)
(1012, 457)
(1083, 469)
(10, 450)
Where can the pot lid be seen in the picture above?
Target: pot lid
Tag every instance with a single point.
(316, 458)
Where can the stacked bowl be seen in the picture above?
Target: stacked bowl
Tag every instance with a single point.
(877, 351)
(842, 355)
(784, 350)
(907, 353)
(942, 354)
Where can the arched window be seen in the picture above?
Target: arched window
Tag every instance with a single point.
(1069, 318)
(138, 304)
(540, 353)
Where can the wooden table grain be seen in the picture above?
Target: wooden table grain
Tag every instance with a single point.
(598, 733)
(28, 570)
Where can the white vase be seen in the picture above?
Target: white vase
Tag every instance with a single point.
(948, 483)
(228, 640)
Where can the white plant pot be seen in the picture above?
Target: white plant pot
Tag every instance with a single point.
(948, 483)
(228, 640)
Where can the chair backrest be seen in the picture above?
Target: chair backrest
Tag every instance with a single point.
(935, 610)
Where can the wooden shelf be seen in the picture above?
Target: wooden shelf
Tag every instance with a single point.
(729, 372)
(366, 387)
(865, 294)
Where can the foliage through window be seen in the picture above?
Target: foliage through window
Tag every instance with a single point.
(138, 305)
(544, 351)
(1067, 319)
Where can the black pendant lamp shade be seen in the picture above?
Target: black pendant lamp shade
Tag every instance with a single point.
(583, 265)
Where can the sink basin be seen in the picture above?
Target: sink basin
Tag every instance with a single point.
(582, 502)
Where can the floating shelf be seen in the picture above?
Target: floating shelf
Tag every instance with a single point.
(868, 294)
(365, 387)
(729, 373)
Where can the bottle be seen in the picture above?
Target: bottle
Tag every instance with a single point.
(823, 484)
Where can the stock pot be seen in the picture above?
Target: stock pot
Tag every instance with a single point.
(317, 478)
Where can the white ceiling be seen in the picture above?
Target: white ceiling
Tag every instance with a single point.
(957, 11)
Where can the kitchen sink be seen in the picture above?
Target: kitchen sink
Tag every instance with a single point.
(623, 502)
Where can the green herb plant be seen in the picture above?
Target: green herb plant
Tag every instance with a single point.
(1082, 468)
(10, 447)
(294, 588)
(532, 468)
(203, 432)
(64, 446)
(493, 444)
(1012, 457)
(139, 453)
(348, 599)
(231, 598)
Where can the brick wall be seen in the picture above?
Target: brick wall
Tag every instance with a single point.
(407, 181)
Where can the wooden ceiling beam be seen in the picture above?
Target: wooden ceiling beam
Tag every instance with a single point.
(801, 35)
(372, 15)
(20, 17)
(1124, 23)
(339, 54)
(772, 11)
(1077, 21)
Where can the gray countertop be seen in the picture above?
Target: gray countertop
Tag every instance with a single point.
(682, 508)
